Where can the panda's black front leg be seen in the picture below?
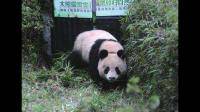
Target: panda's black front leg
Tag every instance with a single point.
(93, 73)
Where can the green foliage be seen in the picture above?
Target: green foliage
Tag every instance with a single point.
(153, 102)
(72, 90)
(31, 16)
(151, 34)
(38, 108)
(132, 86)
(59, 59)
(99, 102)
(31, 29)
(125, 109)
(69, 76)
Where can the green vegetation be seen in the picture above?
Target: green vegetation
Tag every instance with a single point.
(70, 90)
(151, 35)
(32, 25)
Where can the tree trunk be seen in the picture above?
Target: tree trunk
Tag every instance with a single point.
(45, 55)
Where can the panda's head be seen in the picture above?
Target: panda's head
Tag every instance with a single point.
(112, 64)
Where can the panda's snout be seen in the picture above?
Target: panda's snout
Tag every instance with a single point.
(111, 78)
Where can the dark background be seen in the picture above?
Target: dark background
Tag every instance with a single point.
(66, 29)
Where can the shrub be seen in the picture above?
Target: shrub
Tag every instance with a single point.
(31, 29)
(151, 35)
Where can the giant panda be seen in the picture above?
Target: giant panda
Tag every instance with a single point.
(104, 56)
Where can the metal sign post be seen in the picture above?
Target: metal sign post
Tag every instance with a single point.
(94, 13)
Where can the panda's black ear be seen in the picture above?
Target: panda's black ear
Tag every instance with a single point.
(120, 53)
(103, 54)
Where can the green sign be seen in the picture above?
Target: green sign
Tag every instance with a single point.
(73, 8)
(83, 8)
(112, 7)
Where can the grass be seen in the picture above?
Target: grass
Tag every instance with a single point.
(71, 91)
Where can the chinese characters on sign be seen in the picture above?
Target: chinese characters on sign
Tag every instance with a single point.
(73, 8)
(112, 7)
(83, 8)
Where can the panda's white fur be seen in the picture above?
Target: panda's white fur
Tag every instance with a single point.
(85, 40)
(83, 45)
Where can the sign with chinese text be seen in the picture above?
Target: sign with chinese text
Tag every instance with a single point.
(111, 7)
(83, 8)
(73, 8)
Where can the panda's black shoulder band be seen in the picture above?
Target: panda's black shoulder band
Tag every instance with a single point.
(93, 55)
(111, 40)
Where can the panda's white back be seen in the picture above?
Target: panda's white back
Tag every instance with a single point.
(85, 40)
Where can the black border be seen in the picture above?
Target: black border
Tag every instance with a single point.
(188, 55)
(11, 55)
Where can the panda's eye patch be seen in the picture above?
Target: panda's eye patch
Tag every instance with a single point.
(120, 53)
(103, 54)
(106, 70)
(117, 70)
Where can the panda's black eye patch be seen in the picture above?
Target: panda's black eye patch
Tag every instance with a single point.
(117, 70)
(103, 54)
(120, 53)
(106, 70)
